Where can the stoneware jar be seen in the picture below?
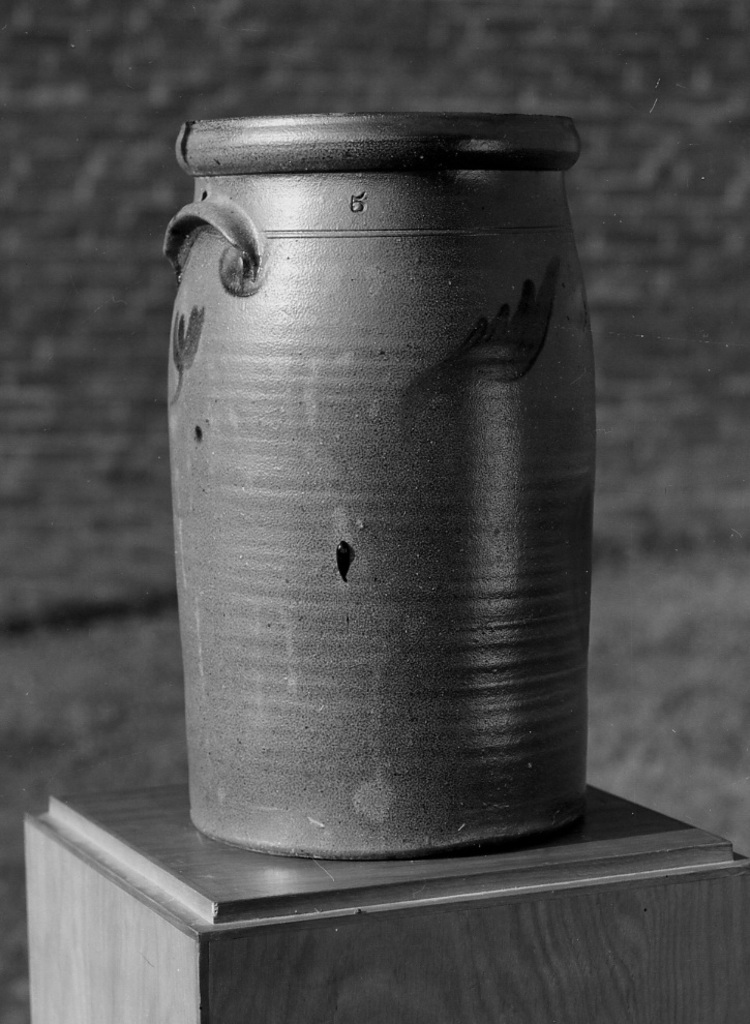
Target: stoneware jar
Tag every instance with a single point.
(382, 440)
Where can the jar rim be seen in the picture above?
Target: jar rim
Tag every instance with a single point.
(311, 143)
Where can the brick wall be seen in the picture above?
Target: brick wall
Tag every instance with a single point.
(92, 96)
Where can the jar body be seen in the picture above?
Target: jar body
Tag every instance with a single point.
(382, 469)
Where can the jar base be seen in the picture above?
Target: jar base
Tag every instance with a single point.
(478, 843)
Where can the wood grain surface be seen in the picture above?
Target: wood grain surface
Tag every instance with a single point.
(664, 954)
(98, 954)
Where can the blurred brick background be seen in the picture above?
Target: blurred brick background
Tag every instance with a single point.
(92, 95)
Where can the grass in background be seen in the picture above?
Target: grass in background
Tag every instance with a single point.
(101, 708)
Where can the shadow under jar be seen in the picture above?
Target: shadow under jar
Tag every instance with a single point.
(381, 416)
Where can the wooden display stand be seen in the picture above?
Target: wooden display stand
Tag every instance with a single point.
(135, 917)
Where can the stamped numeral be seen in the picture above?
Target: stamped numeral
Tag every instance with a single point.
(358, 202)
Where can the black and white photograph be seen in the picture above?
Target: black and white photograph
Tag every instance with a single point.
(375, 512)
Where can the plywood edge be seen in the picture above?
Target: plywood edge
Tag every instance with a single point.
(679, 846)
(666, 848)
(129, 859)
(233, 927)
(683, 854)
(685, 850)
(122, 871)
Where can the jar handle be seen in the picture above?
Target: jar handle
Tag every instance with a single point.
(240, 265)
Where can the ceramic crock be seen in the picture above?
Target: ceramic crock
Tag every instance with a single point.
(381, 423)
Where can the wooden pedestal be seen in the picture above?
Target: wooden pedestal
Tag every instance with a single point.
(136, 918)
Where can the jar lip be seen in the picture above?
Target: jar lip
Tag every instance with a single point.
(309, 143)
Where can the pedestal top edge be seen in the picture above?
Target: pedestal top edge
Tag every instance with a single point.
(150, 834)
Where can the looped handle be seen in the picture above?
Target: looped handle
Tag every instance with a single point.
(240, 264)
